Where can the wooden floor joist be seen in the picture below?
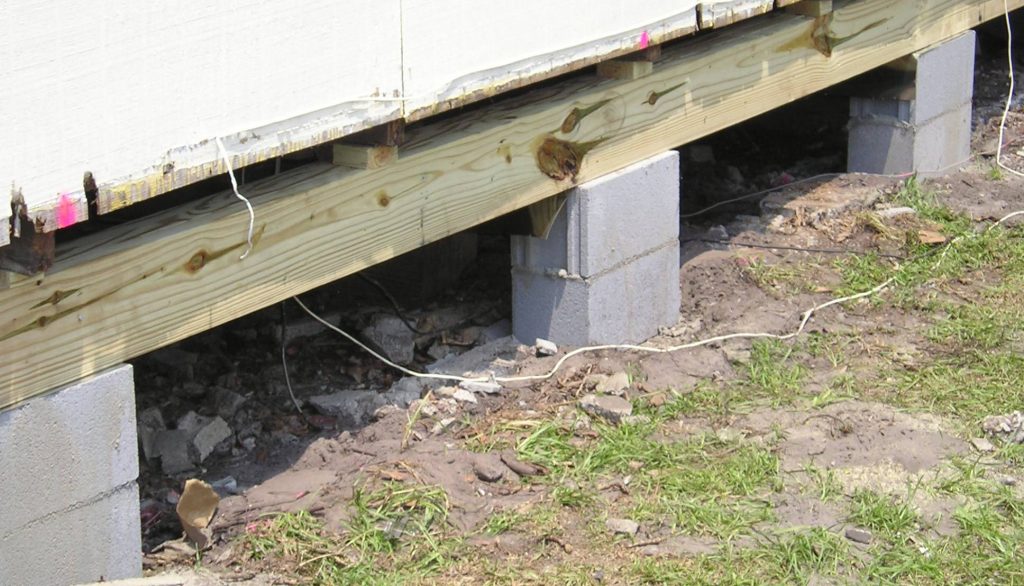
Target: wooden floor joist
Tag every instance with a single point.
(135, 288)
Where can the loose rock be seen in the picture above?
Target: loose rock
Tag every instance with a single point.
(464, 396)
(622, 526)
(612, 408)
(615, 384)
(227, 403)
(488, 470)
(391, 336)
(486, 388)
(207, 438)
(982, 445)
(858, 535)
(172, 446)
(545, 347)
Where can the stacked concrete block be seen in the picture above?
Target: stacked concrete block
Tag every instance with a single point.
(929, 133)
(609, 270)
(69, 502)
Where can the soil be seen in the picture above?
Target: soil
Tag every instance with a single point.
(311, 462)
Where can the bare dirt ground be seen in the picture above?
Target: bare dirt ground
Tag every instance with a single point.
(854, 453)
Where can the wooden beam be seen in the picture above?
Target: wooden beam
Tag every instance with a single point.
(811, 7)
(624, 69)
(136, 287)
(359, 156)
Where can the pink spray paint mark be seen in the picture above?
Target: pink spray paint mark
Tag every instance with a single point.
(645, 40)
(67, 211)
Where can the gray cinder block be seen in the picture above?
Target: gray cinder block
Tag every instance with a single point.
(609, 270)
(69, 459)
(928, 134)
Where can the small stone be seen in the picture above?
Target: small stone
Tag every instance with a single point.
(609, 407)
(385, 410)
(615, 384)
(150, 423)
(734, 174)
(442, 425)
(718, 232)
(982, 445)
(735, 354)
(207, 438)
(464, 396)
(622, 526)
(227, 403)
(249, 444)
(487, 470)
(172, 446)
(192, 422)
(486, 388)
(545, 347)
(896, 212)
(392, 337)
(636, 420)
(858, 535)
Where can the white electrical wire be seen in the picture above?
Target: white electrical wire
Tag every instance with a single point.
(805, 317)
(1009, 97)
(234, 187)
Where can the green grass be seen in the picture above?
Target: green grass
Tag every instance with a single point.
(794, 557)
(717, 494)
(883, 514)
(773, 371)
(396, 534)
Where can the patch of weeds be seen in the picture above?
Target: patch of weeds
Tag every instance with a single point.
(827, 485)
(995, 173)
(861, 272)
(840, 388)
(702, 484)
(394, 536)
(792, 558)
(772, 370)
(1011, 453)
(913, 194)
(503, 522)
(883, 514)
(828, 345)
(776, 278)
(978, 326)
(969, 386)
(635, 372)
(705, 399)
(803, 555)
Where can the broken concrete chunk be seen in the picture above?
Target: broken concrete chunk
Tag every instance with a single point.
(896, 212)
(622, 526)
(172, 447)
(464, 396)
(211, 434)
(982, 445)
(609, 407)
(150, 423)
(486, 388)
(858, 535)
(392, 337)
(227, 402)
(496, 331)
(545, 347)
(192, 422)
(615, 384)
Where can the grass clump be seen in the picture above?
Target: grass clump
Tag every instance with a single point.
(395, 535)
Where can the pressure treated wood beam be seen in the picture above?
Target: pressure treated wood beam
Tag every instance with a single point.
(130, 290)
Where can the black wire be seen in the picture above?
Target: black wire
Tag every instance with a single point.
(394, 304)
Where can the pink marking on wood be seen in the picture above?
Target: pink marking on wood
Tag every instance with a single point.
(645, 40)
(67, 211)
